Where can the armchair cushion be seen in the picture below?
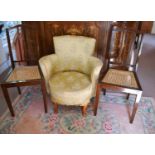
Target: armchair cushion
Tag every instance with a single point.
(70, 88)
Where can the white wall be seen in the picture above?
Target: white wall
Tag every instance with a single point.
(4, 62)
(2, 53)
(153, 28)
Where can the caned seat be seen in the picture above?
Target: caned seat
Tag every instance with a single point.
(23, 73)
(121, 78)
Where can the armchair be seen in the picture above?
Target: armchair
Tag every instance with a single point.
(71, 74)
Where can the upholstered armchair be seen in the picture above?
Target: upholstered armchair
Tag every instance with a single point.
(72, 72)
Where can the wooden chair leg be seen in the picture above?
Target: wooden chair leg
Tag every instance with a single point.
(104, 91)
(84, 110)
(8, 101)
(96, 99)
(135, 107)
(55, 106)
(19, 91)
(43, 88)
(127, 97)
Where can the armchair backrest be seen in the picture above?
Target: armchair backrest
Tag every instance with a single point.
(74, 45)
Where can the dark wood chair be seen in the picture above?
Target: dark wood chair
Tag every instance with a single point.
(121, 60)
(25, 70)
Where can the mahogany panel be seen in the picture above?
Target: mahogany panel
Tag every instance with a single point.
(96, 29)
(146, 26)
(48, 29)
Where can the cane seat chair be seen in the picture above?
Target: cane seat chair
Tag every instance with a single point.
(72, 72)
(24, 71)
(119, 71)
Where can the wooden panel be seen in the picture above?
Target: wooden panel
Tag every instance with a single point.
(48, 29)
(134, 25)
(146, 26)
(96, 29)
(90, 29)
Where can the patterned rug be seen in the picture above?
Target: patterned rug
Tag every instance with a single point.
(112, 116)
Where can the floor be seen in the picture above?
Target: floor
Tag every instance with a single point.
(146, 72)
(112, 117)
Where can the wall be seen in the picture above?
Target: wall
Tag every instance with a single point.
(4, 56)
(3, 53)
(153, 28)
(98, 30)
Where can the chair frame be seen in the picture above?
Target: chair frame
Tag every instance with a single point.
(129, 90)
(7, 84)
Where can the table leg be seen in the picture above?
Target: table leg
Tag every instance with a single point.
(43, 88)
(8, 101)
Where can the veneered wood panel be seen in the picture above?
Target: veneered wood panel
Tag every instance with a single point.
(48, 29)
(146, 26)
(96, 29)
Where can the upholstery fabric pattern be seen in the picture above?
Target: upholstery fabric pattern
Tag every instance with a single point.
(48, 64)
(65, 88)
(73, 61)
(75, 45)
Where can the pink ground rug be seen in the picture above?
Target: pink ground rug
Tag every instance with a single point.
(112, 116)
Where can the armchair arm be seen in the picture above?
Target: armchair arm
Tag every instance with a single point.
(47, 65)
(95, 68)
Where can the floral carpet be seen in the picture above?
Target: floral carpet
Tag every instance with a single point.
(112, 117)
